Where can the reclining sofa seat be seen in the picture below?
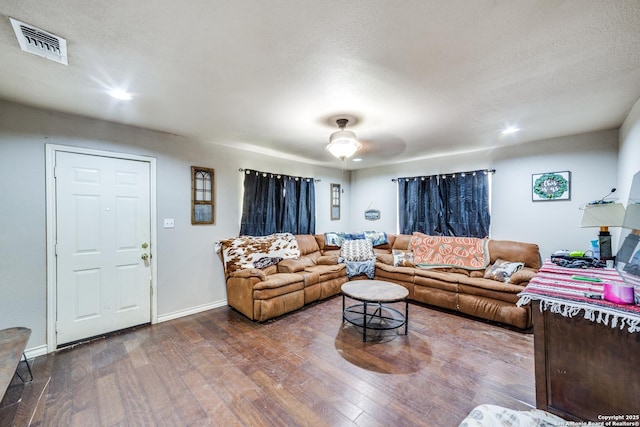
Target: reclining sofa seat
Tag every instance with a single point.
(467, 291)
(262, 294)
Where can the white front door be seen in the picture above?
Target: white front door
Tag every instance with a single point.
(103, 237)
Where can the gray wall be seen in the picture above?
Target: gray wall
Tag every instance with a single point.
(592, 159)
(189, 272)
(629, 163)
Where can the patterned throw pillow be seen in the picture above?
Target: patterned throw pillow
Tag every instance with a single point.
(356, 250)
(402, 258)
(502, 270)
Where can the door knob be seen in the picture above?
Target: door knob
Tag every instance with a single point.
(145, 256)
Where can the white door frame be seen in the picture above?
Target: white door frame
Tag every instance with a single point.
(51, 150)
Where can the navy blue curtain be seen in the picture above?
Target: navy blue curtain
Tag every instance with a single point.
(446, 205)
(420, 206)
(299, 206)
(277, 204)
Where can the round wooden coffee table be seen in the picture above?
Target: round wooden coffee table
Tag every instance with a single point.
(372, 313)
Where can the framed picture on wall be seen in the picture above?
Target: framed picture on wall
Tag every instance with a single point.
(550, 186)
(335, 202)
(202, 195)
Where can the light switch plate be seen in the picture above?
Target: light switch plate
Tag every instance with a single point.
(169, 223)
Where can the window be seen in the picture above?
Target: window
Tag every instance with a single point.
(202, 195)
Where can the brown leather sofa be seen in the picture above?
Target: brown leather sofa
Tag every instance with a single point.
(263, 294)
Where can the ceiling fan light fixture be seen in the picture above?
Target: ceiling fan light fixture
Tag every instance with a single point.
(343, 143)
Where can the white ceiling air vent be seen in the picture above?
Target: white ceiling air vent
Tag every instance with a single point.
(40, 42)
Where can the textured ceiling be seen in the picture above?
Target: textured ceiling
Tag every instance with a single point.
(424, 78)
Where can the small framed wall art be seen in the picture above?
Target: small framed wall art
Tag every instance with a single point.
(202, 195)
(335, 202)
(550, 186)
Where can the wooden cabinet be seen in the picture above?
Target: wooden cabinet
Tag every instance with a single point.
(585, 370)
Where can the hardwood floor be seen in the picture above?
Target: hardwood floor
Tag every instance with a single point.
(305, 368)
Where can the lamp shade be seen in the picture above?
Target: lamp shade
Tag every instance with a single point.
(603, 215)
(632, 216)
(343, 144)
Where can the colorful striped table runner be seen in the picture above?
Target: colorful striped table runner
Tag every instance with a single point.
(559, 293)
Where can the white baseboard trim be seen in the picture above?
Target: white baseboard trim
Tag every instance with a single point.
(192, 310)
(34, 352)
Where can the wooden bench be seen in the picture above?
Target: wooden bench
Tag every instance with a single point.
(13, 342)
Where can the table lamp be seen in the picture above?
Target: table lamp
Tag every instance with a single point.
(603, 215)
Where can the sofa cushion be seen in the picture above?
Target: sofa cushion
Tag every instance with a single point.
(502, 270)
(435, 273)
(498, 295)
(401, 241)
(528, 253)
(384, 258)
(307, 244)
(241, 252)
(327, 272)
(490, 284)
(447, 251)
(401, 275)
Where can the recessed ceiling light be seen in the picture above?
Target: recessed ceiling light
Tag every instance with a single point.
(510, 130)
(121, 94)
(357, 159)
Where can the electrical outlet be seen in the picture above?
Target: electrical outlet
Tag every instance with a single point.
(169, 223)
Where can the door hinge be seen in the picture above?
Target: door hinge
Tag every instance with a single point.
(57, 329)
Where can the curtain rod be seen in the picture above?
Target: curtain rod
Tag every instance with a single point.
(445, 174)
(270, 173)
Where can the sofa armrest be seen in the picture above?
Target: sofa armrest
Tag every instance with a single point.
(249, 272)
(290, 265)
(522, 276)
(328, 260)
